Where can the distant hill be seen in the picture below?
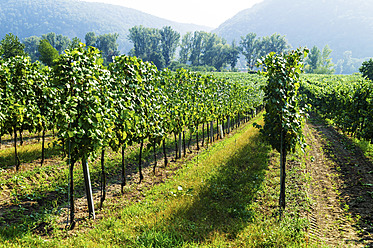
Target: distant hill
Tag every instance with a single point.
(75, 18)
(344, 25)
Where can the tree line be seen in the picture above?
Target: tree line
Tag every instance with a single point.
(200, 50)
(166, 48)
(49, 46)
(196, 51)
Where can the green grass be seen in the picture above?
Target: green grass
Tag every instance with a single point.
(226, 196)
(27, 153)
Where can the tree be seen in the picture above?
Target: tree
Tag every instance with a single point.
(207, 49)
(154, 50)
(17, 76)
(62, 43)
(274, 43)
(75, 43)
(222, 53)
(147, 45)
(51, 38)
(90, 39)
(367, 69)
(59, 42)
(11, 46)
(283, 120)
(169, 42)
(277, 43)
(313, 60)
(186, 46)
(197, 48)
(326, 65)
(107, 44)
(233, 54)
(47, 52)
(32, 47)
(319, 62)
(248, 48)
(253, 48)
(347, 65)
(138, 36)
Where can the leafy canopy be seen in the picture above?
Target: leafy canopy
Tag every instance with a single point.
(367, 69)
(283, 119)
(11, 46)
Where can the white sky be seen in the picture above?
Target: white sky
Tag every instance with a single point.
(209, 13)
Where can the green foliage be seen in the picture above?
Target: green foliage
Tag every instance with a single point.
(185, 48)
(367, 69)
(11, 46)
(137, 100)
(59, 42)
(85, 117)
(107, 44)
(207, 49)
(169, 43)
(283, 118)
(313, 60)
(32, 47)
(17, 79)
(233, 55)
(248, 48)
(253, 48)
(319, 62)
(326, 64)
(47, 52)
(75, 43)
(345, 100)
(147, 44)
(90, 39)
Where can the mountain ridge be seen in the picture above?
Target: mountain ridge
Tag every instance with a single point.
(337, 23)
(75, 18)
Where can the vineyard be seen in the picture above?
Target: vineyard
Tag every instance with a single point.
(91, 109)
(345, 100)
(153, 143)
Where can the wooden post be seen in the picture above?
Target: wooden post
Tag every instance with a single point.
(180, 144)
(229, 124)
(88, 189)
(221, 131)
(211, 131)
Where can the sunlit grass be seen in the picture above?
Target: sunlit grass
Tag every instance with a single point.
(225, 197)
(28, 153)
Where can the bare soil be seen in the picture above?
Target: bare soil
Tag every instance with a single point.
(340, 188)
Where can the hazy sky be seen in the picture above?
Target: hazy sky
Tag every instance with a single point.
(210, 13)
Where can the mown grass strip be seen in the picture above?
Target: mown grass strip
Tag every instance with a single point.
(224, 197)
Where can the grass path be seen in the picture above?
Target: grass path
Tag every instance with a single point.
(225, 197)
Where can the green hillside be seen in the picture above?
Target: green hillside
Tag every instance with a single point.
(342, 24)
(75, 18)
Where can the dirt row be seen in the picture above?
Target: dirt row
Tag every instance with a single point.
(341, 188)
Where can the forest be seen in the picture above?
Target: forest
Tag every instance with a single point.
(166, 48)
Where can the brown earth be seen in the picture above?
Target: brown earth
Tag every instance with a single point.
(341, 187)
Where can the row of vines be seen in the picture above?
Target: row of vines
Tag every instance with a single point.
(346, 100)
(94, 108)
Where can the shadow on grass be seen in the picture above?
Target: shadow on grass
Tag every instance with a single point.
(223, 205)
(31, 212)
